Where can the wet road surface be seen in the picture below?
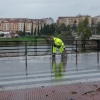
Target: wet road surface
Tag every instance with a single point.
(43, 71)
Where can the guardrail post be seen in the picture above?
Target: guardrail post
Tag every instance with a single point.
(26, 56)
(35, 45)
(52, 48)
(98, 51)
(76, 51)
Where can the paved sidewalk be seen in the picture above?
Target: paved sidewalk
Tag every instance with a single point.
(81, 91)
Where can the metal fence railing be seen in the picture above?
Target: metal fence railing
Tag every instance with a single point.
(44, 47)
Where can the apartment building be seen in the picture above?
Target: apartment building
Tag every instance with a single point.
(18, 24)
(95, 20)
(48, 21)
(10, 24)
(71, 20)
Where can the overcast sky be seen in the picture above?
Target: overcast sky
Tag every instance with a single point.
(37, 9)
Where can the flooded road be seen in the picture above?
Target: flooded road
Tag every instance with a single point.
(43, 71)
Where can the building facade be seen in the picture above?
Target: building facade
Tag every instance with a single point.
(95, 20)
(18, 24)
(73, 20)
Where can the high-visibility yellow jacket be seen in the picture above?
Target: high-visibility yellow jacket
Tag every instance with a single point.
(58, 42)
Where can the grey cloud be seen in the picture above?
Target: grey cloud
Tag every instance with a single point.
(48, 8)
(94, 8)
(2, 11)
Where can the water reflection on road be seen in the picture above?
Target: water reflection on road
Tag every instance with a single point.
(59, 69)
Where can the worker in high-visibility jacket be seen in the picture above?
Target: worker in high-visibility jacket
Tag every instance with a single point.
(57, 43)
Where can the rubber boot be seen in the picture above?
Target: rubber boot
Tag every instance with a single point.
(53, 55)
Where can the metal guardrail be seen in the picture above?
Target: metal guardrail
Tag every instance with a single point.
(36, 47)
(44, 47)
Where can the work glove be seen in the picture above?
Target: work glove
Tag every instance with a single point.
(64, 50)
